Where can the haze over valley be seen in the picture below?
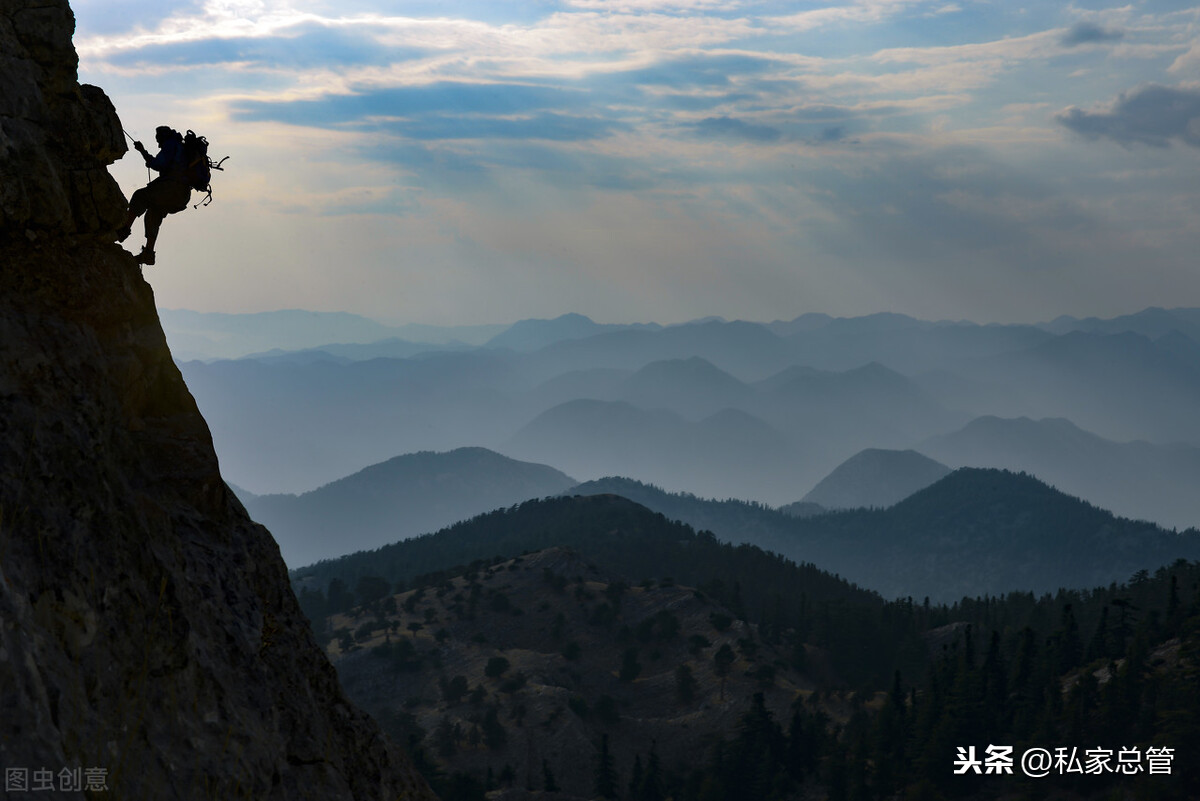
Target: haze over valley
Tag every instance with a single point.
(761, 412)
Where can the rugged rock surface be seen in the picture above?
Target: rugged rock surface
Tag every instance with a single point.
(146, 623)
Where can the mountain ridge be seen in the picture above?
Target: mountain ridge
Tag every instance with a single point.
(407, 495)
(974, 532)
(875, 478)
(1137, 479)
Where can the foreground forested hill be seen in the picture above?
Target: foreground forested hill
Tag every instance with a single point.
(629, 540)
(884, 691)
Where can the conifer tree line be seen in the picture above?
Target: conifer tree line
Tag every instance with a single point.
(1132, 685)
(1111, 667)
(1135, 686)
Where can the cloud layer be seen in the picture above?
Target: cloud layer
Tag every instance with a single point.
(658, 158)
(1149, 115)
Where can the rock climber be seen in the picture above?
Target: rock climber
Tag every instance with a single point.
(168, 193)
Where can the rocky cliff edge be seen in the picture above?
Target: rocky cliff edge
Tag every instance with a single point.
(148, 637)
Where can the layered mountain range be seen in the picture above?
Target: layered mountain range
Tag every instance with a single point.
(964, 533)
(756, 411)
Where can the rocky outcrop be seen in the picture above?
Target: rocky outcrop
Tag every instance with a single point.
(147, 628)
(56, 137)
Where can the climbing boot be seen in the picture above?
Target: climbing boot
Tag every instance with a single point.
(145, 257)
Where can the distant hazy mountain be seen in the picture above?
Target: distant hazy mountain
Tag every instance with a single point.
(412, 494)
(287, 427)
(876, 478)
(802, 397)
(748, 351)
(216, 335)
(901, 343)
(530, 335)
(598, 383)
(243, 494)
(213, 335)
(728, 454)
(1153, 322)
(982, 395)
(805, 322)
(694, 387)
(1121, 386)
(1133, 479)
(980, 532)
(297, 421)
(390, 348)
(870, 406)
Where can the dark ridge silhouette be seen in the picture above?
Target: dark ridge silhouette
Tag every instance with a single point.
(1140, 480)
(974, 532)
(986, 532)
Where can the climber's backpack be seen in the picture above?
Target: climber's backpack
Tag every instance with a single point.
(198, 166)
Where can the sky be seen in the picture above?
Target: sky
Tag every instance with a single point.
(664, 160)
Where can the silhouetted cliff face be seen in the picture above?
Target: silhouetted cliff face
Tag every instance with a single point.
(146, 624)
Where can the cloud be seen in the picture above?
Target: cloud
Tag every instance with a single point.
(444, 169)
(1153, 115)
(305, 46)
(464, 167)
(118, 16)
(858, 11)
(730, 128)
(1188, 62)
(572, 168)
(1089, 33)
(700, 101)
(556, 127)
(718, 70)
(806, 124)
(409, 101)
(948, 8)
(630, 6)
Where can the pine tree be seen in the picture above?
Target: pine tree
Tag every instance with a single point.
(1174, 608)
(494, 735)
(651, 788)
(685, 684)
(1068, 648)
(606, 773)
(995, 690)
(630, 666)
(1098, 647)
(723, 660)
(635, 778)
